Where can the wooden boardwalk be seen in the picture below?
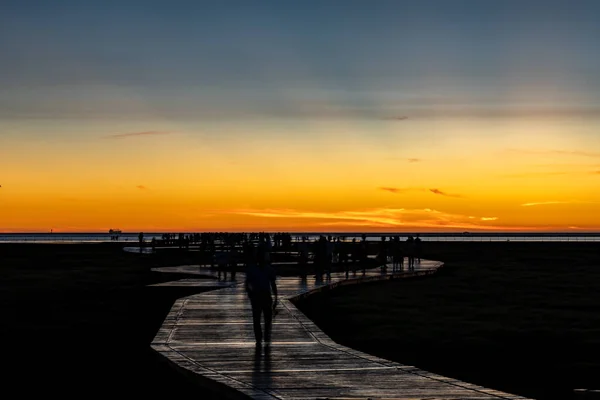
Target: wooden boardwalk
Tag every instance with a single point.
(209, 337)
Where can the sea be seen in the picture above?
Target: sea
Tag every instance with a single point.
(132, 237)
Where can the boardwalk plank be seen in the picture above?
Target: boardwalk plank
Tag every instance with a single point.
(210, 336)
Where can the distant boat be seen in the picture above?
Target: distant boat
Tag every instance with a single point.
(115, 231)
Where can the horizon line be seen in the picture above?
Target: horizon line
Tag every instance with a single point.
(368, 233)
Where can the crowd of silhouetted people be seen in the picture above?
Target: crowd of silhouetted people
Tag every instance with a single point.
(255, 252)
(327, 252)
(323, 254)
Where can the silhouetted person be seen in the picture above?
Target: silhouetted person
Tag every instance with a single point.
(355, 255)
(329, 252)
(410, 252)
(222, 263)
(303, 257)
(233, 260)
(418, 248)
(364, 253)
(397, 256)
(141, 239)
(260, 284)
(320, 256)
(382, 254)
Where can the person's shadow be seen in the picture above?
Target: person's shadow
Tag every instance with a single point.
(261, 371)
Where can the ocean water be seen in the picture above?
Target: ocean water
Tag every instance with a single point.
(429, 236)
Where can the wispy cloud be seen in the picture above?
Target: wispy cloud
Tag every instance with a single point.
(400, 118)
(545, 203)
(142, 187)
(392, 218)
(394, 189)
(133, 134)
(409, 189)
(410, 160)
(539, 173)
(542, 203)
(441, 193)
(554, 152)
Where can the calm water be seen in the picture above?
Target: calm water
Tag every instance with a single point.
(446, 237)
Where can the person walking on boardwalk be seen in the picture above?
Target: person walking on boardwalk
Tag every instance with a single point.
(410, 252)
(418, 248)
(303, 257)
(364, 253)
(382, 255)
(260, 285)
(397, 256)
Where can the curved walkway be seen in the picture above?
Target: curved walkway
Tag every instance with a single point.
(209, 337)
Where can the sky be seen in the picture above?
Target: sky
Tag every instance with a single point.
(331, 115)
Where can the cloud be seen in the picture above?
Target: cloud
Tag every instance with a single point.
(403, 190)
(545, 203)
(550, 173)
(402, 118)
(393, 189)
(552, 152)
(530, 174)
(438, 191)
(132, 134)
(410, 160)
(387, 218)
(541, 203)
(580, 169)
(141, 187)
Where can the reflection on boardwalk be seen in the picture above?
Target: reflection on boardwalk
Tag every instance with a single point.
(209, 337)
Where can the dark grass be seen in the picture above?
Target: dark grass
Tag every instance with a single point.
(518, 317)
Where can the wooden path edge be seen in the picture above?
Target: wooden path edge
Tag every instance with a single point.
(231, 388)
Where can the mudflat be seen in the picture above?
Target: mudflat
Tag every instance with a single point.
(517, 317)
(77, 319)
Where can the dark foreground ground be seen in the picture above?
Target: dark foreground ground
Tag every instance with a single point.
(77, 320)
(523, 318)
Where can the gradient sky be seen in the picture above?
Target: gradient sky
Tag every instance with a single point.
(299, 115)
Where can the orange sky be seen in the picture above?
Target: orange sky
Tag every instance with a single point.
(511, 179)
(296, 117)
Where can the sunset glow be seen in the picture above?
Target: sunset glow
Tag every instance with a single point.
(161, 127)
